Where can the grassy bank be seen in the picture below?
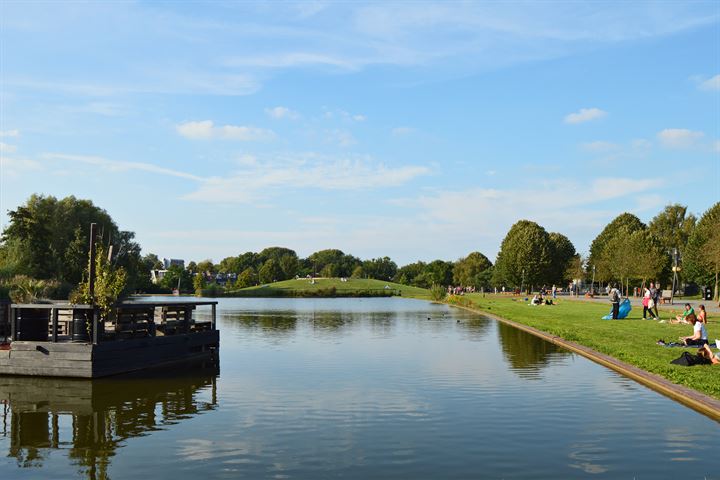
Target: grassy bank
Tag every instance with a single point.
(631, 340)
(331, 287)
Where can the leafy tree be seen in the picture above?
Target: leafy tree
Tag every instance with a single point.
(438, 272)
(328, 271)
(624, 224)
(673, 227)
(199, 282)
(247, 278)
(191, 267)
(563, 253)
(634, 255)
(46, 238)
(526, 247)
(358, 272)
(270, 271)
(206, 266)
(473, 270)
(152, 262)
(702, 254)
(380, 268)
(343, 265)
(407, 274)
(175, 272)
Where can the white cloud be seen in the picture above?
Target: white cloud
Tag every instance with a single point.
(205, 130)
(359, 118)
(585, 115)
(716, 146)
(711, 83)
(679, 137)
(6, 148)
(401, 131)
(341, 137)
(9, 133)
(282, 112)
(261, 180)
(121, 166)
(11, 166)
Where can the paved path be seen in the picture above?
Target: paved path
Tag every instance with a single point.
(711, 307)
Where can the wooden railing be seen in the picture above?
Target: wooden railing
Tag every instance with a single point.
(62, 322)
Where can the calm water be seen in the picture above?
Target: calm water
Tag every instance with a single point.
(357, 388)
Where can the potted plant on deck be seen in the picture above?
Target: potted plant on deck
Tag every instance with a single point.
(107, 289)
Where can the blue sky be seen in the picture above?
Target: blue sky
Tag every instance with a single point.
(417, 130)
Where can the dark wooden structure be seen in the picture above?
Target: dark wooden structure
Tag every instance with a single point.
(65, 340)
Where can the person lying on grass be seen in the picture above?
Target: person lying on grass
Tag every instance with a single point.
(708, 354)
(686, 315)
(699, 336)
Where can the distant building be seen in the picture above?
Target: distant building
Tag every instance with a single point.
(169, 262)
(157, 275)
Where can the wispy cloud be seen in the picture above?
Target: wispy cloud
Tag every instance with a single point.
(584, 115)
(282, 112)
(710, 84)
(206, 129)
(121, 166)
(263, 180)
(679, 137)
(342, 138)
(401, 131)
(7, 148)
(9, 133)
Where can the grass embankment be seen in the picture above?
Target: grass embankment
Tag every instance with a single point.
(631, 340)
(331, 287)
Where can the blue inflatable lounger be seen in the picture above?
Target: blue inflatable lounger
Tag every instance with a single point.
(623, 312)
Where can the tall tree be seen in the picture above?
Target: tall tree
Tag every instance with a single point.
(526, 248)
(673, 227)
(563, 253)
(380, 268)
(47, 238)
(622, 224)
(473, 270)
(702, 254)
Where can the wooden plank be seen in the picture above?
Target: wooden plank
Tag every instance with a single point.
(25, 354)
(51, 347)
(48, 371)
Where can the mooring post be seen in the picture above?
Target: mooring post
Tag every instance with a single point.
(91, 270)
(214, 312)
(55, 313)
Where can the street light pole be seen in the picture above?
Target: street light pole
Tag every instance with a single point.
(522, 282)
(592, 288)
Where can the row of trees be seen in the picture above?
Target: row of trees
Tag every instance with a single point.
(47, 239)
(629, 250)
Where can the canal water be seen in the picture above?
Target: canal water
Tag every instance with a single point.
(356, 388)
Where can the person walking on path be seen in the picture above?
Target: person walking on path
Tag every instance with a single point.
(655, 297)
(647, 297)
(615, 301)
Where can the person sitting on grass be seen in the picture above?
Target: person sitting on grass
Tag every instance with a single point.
(699, 336)
(686, 316)
(702, 314)
(708, 354)
(536, 300)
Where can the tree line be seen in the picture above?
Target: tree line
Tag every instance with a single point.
(46, 238)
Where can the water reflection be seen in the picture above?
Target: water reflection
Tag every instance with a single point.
(526, 353)
(92, 419)
(475, 327)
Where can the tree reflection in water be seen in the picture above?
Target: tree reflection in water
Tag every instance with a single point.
(526, 353)
(104, 413)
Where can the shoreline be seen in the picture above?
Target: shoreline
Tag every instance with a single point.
(700, 402)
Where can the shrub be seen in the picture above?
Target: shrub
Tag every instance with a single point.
(438, 292)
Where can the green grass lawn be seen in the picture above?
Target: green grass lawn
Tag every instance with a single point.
(632, 340)
(323, 286)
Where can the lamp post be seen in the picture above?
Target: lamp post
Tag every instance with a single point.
(675, 269)
(592, 288)
(522, 282)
